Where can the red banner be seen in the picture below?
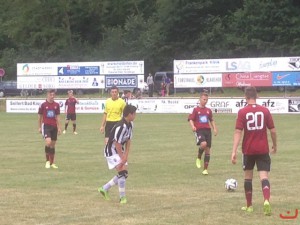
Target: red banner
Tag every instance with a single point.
(258, 79)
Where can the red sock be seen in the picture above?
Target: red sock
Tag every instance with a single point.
(265, 185)
(51, 157)
(47, 157)
(248, 191)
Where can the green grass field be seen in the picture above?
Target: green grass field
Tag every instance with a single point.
(164, 185)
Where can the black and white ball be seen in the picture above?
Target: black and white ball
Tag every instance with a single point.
(231, 184)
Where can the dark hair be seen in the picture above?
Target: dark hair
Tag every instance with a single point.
(250, 92)
(51, 91)
(114, 87)
(129, 109)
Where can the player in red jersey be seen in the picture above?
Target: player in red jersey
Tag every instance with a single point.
(49, 126)
(254, 120)
(70, 110)
(201, 121)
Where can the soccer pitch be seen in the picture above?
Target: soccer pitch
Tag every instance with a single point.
(164, 186)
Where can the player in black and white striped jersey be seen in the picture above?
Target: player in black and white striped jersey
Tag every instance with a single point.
(116, 152)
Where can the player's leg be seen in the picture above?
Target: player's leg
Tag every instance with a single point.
(52, 147)
(66, 123)
(47, 137)
(207, 135)
(112, 162)
(47, 151)
(200, 140)
(248, 165)
(122, 176)
(263, 167)
(74, 123)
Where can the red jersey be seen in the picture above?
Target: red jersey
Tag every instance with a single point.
(201, 117)
(70, 103)
(49, 111)
(254, 120)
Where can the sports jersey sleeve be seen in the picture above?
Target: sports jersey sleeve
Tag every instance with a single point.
(270, 122)
(40, 111)
(239, 121)
(192, 115)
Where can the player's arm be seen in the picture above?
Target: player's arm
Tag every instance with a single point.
(58, 123)
(103, 123)
(236, 141)
(274, 140)
(213, 124)
(191, 121)
(120, 152)
(127, 148)
(40, 121)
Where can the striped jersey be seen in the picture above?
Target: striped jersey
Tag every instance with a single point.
(121, 133)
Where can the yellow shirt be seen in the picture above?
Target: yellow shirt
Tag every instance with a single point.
(114, 109)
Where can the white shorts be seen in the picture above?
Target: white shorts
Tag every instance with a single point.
(113, 161)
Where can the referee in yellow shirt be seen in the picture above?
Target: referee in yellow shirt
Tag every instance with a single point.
(113, 112)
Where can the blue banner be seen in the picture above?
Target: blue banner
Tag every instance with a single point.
(286, 78)
(121, 81)
(78, 70)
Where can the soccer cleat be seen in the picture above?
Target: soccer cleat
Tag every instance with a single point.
(104, 193)
(198, 163)
(247, 209)
(123, 200)
(267, 208)
(47, 165)
(64, 131)
(205, 172)
(54, 166)
(75, 132)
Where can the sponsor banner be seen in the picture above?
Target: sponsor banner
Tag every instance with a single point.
(32, 106)
(294, 105)
(197, 80)
(197, 66)
(74, 70)
(129, 81)
(82, 82)
(237, 65)
(36, 69)
(258, 79)
(163, 105)
(122, 67)
(286, 78)
(36, 82)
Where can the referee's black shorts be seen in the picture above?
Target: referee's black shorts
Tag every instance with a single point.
(109, 126)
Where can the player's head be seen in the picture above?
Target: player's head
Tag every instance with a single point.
(250, 93)
(203, 99)
(50, 95)
(70, 92)
(129, 112)
(114, 92)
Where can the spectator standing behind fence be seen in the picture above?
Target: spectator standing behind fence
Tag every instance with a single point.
(150, 84)
(168, 83)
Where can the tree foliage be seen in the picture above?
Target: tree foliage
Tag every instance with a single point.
(154, 31)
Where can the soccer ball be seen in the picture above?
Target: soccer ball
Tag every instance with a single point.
(231, 184)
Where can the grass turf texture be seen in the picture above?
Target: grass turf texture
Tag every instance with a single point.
(164, 185)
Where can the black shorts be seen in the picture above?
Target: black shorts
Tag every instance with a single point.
(109, 126)
(71, 116)
(203, 135)
(263, 162)
(49, 131)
